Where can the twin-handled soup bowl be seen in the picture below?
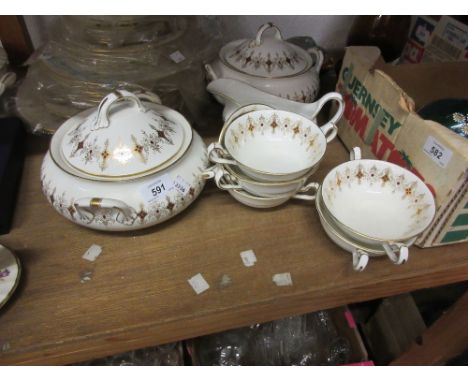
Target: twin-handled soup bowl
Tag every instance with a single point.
(231, 178)
(272, 145)
(378, 203)
(255, 201)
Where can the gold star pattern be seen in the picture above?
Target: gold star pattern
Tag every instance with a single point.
(71, 210)
(138, 148)
(105, 154)
(142, 214)
(296, 130)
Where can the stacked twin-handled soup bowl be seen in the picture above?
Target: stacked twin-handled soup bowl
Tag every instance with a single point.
(374, 208)
(265, 156)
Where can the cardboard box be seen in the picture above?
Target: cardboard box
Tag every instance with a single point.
(436, 40)
(380, 117)
(395, 326)
(345, 326)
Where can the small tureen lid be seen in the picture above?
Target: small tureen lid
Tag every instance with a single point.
(266, 56)
(125, 137)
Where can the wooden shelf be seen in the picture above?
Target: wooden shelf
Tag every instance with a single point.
(139, 294)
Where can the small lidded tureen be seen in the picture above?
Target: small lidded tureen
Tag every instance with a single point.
(127, 164)
(270, 64)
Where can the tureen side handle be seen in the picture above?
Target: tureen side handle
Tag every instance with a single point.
(318, 57)
(263, 28)
(126, 214)
(102, 119)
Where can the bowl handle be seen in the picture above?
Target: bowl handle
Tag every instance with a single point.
(102, 119)
(318, 56)
(303, 192)
(214, 150)
(360, 260)
(355, 154)
(402, 249)
(226, 181)
(222, 178)
(87, 208)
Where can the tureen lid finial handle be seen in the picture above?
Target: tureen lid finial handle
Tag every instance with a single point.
(263, 28)
(102, 119)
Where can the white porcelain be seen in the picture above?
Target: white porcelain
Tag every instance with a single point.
(356, 247)
(255, 201)
(10, 273)
(270, 64)
(378, 201)
(230, 177)
(360, 256)
(123, 203)
(125, 138)
(234, 94)
(272, 145)
(377, 204)
(361, 252)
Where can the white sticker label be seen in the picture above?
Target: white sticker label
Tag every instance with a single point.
(198, 283)
(181, 185)
(157, 188)
(283, 279)
(92, 253)
(437, 152)
(177, 57)
(248, 258)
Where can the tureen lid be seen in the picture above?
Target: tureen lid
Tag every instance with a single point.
(266, 56)
(125, 137)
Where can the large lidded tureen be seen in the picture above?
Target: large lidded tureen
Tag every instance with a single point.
(128, 164)
(270, 64)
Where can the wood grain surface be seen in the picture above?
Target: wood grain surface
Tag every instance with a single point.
(139, 295)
